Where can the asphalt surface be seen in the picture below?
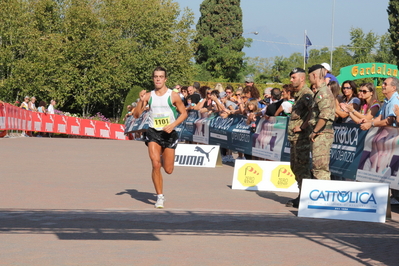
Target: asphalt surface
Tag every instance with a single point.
(91, 202)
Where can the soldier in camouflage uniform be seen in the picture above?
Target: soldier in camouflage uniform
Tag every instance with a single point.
(323, 114)
(299, 130)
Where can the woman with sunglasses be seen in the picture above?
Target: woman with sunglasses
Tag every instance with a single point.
(237, 95)
(246, 96)
(207, 103)
(184, 92)
(349, 91)
(369, 104)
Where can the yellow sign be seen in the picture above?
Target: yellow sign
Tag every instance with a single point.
(282, 176)
(160, 120)
(250, 174)
(381, 69)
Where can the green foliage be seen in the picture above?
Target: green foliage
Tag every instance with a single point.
(131, 97)
(363, 45)
(219, 40)
(87, 54)
(384, 52)
(260, 68)
(201, 73)
(393, 18)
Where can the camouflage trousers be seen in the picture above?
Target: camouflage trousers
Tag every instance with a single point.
(321, 155)
(300, 159)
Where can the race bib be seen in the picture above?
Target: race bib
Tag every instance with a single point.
(161, 120)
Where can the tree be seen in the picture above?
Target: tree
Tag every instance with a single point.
(219, 38)
(260, 68)
(341, 58)
(279, 68)
(363, 45)
(384, 52)
(88, 54)
(393, 18)
(14, 29)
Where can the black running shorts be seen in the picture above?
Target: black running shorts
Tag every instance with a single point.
(163, 139)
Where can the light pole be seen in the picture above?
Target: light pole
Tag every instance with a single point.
(332, 35)
(252, 32)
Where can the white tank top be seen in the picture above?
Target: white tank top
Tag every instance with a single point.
(162, 110)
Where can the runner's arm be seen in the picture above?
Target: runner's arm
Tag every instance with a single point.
(144, 98)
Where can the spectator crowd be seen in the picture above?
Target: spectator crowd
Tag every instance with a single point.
(328, 102)
(29, 104)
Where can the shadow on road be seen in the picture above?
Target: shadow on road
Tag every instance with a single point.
(359, 241)
(147, 198)
(269, 195)
(273, 196)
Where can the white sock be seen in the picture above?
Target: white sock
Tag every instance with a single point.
(160, 195)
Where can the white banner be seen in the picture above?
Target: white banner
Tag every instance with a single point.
(343, 200)
(197, 155)
(264, 176)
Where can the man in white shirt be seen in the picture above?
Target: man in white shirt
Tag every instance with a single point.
(50, 108)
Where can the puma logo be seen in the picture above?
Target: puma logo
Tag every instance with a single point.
(198, 149)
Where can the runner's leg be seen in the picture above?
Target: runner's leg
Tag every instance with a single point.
(154, 150)
(168, 156)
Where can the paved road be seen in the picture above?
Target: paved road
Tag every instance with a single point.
(90, 202)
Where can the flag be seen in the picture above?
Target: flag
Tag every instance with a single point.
(307, 44)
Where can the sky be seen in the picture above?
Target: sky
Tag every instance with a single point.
(286, 21)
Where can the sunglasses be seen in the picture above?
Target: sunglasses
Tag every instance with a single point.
(347, 88)
(364, 91)
(238, 94)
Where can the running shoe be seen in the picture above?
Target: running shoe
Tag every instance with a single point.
(160, 201)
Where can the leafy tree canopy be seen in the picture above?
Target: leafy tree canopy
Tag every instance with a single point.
(88, 54)
(219, 40)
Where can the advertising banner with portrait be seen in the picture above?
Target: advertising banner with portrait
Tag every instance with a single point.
(240, 135)
(232, 133)
(346, 150)
(286, 151)
(189, 126)
(201, 125)
(129, 123)
(141, 123)
(268, 141)
(379, 160)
